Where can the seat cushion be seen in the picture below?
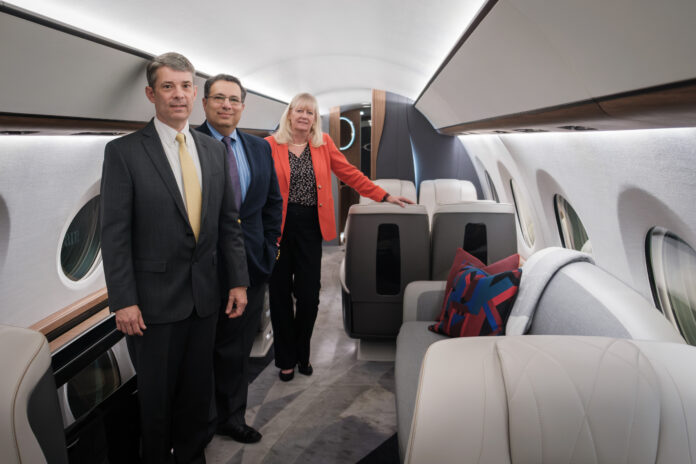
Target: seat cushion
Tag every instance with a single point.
(552, 399)
(411, 344)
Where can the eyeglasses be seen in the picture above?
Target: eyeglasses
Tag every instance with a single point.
(220, 99)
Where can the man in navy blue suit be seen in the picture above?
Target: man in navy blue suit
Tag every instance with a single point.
(260, 210)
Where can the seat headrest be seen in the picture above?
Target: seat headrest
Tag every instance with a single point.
(444, 191)
(396, 187)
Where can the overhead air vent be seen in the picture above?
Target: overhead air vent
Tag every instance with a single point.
(98, 133)
(18, 132)
(530, 130)
(577, 128)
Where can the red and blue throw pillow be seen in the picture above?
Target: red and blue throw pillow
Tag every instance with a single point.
(462, 258)
(478, 303)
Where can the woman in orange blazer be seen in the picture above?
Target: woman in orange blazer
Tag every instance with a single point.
(304, 160)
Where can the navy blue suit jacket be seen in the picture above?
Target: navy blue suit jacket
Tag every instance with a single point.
(262, 209)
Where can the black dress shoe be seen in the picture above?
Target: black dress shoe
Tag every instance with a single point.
(241, 433)
(286, 377)
(305, 370)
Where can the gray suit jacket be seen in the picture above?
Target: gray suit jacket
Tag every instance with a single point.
(150, 254)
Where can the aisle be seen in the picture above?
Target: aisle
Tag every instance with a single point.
(338, 415)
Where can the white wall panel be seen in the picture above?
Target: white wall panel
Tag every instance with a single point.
(620, 184)
(44, 181)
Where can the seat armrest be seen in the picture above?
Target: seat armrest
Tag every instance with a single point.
(423, 300)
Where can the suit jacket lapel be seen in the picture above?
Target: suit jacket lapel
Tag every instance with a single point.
(284, 162)
(206, 172)
(153, 148)
(251, 161)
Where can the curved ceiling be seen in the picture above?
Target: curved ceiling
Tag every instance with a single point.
(337, 51)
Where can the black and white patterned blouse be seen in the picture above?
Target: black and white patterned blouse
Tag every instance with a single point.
(303, 184)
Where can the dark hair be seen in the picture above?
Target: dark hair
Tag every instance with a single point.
(172, 60)
(223, 77)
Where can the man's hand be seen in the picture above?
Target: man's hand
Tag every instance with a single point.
(237, 302)
(129, 320)
(401, 201)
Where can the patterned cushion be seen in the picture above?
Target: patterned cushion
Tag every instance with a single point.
(479, 303)
(462, 258)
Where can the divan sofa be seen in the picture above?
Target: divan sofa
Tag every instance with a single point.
(561, 292)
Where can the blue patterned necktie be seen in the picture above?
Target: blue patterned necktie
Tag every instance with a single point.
(234, 172)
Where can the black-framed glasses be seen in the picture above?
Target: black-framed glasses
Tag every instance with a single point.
(220, 99)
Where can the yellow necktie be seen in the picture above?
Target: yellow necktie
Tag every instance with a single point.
(192, 188)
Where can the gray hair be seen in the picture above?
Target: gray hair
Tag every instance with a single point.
(172, 60)
(223, 77)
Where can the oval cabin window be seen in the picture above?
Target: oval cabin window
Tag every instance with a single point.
(81, 242)
(573, 233)
(524, 215)
(672, 269)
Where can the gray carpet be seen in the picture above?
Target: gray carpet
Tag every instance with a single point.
(340, 414)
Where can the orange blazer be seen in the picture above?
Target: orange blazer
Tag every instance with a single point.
(325, 160)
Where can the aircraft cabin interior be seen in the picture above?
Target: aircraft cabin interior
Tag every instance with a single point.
(536, 303)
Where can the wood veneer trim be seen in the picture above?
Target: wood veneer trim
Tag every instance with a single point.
(68, 314)
(79, 329)
(335, 125)
(379, 111)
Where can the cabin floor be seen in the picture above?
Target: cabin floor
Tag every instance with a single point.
(340, 414)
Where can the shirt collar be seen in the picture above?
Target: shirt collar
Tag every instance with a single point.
(168, 134)
(218, 135)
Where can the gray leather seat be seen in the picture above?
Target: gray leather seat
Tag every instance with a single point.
(483, 228)
(387, 247)
(32, 428)
(555, 399)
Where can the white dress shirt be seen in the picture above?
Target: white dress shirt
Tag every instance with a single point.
(171, 148)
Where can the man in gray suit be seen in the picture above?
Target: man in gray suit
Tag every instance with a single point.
(167, 203)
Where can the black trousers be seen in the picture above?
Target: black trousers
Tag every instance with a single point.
(298, 273)
(174, 363)
(233, 343)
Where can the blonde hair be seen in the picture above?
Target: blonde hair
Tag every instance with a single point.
(284, 132)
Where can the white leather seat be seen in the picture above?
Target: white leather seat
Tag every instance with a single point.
(443, 192)
(555, 399)
(31, 429)
(396, 187)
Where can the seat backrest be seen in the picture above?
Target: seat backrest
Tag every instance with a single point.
(386, 248)
(445, 191)
(396, 187)
(31, 427)
(584, 299)
(549, 399)
(483, 228)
